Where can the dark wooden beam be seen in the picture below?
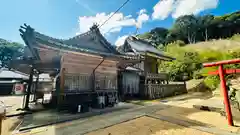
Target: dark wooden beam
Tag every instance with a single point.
(36, 87)
(94, 79)
(62, 82)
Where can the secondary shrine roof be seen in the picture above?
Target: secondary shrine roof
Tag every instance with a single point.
(140, 46)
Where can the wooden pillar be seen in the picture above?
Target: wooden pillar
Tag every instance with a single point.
(1, 120)
(94, 74)
(62, 82)
(30, 81)
(93, 81)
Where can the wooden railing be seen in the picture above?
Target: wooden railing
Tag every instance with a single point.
(106, 82)
(78, 82)
(161, 76)
(153, 91)
(84, 82)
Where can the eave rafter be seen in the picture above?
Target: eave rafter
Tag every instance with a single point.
(27, 34)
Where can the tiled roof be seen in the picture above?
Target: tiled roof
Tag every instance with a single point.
(5, 73)
(142, 46)
(73, 44)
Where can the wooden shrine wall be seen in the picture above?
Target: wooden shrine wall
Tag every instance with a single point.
(79, 72)
(85, 64)
(150, 65)
(79, 68)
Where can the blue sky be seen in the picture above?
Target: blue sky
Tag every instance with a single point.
(65, 18)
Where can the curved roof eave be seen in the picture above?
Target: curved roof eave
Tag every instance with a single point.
(145, 47)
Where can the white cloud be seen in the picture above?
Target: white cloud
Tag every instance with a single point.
(120, 41)
(142, 17)
(142, 11)
(163, 9)
(177, 8)
(115, 24)
(187, 7)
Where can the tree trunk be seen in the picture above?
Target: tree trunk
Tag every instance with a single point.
(189, 38)
(206, 34)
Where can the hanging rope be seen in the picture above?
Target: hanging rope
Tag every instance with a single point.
(114, 13)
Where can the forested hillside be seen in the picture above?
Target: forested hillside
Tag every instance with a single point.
(192, 29)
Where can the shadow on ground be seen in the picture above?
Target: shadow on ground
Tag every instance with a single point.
(50, 117)
(15, 123)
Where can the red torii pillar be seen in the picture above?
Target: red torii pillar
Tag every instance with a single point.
(221, 72)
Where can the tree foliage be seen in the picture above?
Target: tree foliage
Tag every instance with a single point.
(191, 29)
(186, 27)
(156, 36)
(8, 51)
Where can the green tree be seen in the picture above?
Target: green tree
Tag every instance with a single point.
(156, 36)
(204, 23)
(186, 26)
(9, 51)
(159, 36)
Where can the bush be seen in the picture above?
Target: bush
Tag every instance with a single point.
(179, 42)
(212, 82)
(186, 62)
(235, 37)
(197, 75)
